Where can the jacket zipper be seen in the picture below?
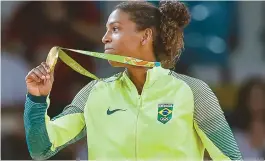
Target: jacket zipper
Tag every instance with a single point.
(139, 108)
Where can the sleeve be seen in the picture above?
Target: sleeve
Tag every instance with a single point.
(211, 125)
(45, 136)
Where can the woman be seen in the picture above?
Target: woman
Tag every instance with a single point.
(140, 113)
(248, 120)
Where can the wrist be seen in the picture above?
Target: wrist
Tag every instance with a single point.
(37, 99)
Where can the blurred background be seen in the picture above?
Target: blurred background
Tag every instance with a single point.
(224, 46)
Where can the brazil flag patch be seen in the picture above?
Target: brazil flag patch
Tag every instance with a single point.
(164, 112)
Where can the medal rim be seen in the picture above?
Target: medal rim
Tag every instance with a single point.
(52, 57)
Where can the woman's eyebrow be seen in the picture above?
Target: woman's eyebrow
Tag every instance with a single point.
(111, 23)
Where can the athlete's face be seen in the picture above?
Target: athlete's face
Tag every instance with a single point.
(121, 37)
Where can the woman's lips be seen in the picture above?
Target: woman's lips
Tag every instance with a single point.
(108, 50)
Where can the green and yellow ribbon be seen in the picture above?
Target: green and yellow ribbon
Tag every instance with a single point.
(57, 52)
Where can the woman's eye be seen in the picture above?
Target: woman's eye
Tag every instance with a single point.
(115, 29)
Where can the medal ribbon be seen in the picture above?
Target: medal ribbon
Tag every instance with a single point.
(58, 52)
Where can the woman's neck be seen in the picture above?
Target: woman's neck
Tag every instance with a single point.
(138, 77)
(138, 74)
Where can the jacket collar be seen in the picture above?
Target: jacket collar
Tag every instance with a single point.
(153, 74)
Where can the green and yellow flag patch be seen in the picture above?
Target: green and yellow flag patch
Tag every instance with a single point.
(164, 112)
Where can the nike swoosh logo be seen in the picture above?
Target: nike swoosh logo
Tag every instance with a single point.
(109, 112)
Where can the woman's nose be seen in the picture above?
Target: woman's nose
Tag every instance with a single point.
(106, 38)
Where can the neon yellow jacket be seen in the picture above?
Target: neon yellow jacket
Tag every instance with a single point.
(175, 118)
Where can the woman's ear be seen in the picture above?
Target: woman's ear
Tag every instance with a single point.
(147, 36)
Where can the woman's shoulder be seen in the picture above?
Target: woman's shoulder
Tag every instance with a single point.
(111, 78)
(190, 81)
(102, 82)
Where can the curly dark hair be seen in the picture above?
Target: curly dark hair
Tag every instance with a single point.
(167, 23)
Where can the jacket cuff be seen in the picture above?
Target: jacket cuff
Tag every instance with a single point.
(37, 99)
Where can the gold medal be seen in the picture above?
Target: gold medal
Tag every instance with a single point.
(52, 57)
